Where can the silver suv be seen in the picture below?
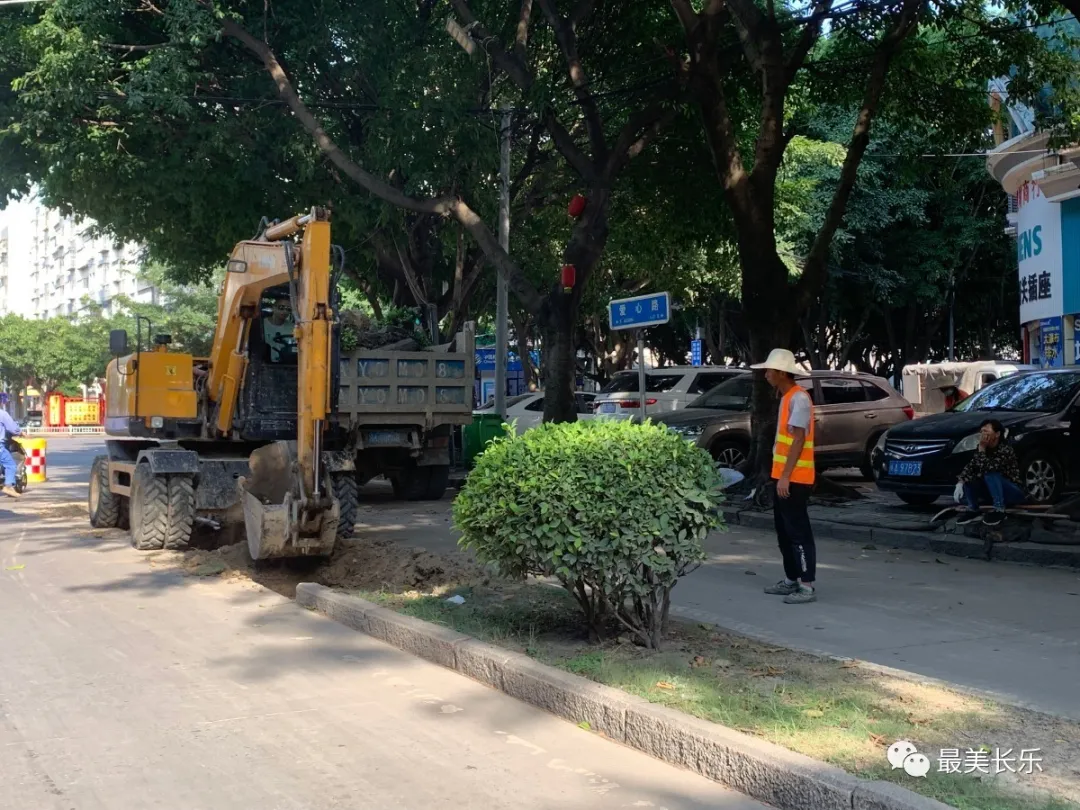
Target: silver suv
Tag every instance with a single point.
(666, 389)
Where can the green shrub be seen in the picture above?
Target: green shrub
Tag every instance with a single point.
(615, 511)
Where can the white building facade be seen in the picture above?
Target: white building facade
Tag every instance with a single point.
(1043, 185)
(51, 265)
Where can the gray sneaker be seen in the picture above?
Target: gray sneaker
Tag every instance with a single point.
(782, 588)
(801, 596)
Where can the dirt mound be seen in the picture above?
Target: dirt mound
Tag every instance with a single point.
(371, 565)
(387, 565)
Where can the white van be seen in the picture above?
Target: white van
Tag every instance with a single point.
(936, 387)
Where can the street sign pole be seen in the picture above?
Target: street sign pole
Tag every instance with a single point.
(636, 315)
(641, 370)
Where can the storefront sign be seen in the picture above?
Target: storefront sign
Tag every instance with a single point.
(1052, 347)
(1038, 253)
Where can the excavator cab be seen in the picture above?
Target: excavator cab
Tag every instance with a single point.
(266, 410)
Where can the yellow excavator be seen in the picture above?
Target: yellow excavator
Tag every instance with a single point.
(277, 427)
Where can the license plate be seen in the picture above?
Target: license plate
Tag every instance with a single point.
(607, 407)
(384, 437)
(908, 468)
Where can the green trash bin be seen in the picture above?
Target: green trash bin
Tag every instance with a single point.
(475, 436)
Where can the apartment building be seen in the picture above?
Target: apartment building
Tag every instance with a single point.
(51, 265)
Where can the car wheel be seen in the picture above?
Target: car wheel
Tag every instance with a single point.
(1042, 478)
(728, 454)
(917, 499)
(867, 467)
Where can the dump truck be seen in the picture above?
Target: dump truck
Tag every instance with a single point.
(277, 427)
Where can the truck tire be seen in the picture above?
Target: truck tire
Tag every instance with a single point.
(162, 510)
(103, 505)
(411, 484)
(438, 479)
(348, 494)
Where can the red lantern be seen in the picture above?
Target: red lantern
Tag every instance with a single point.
(568, 276)
(577, 206)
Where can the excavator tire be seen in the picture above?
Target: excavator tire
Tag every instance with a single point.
(162, 510)
(347, 492)
(438, 480)
(104, 506)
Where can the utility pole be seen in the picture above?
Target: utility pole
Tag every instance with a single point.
(463, 37)
(502, 304)
(952, 321)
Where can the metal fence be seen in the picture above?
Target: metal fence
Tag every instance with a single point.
(76, 430)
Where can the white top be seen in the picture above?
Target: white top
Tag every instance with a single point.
(799, 412)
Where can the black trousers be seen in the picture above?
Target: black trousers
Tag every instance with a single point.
(794, 534)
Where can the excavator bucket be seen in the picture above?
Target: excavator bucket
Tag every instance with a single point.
(278, 521)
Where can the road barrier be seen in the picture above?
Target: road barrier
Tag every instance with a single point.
(77, 430)
(35, 459)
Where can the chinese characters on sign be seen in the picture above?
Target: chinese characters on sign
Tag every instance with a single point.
(1035, 287)
(695, 352)
(1038, 255)
(640, 312)
(1050, 336)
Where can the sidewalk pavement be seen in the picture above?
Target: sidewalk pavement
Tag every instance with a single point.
(1007, 629)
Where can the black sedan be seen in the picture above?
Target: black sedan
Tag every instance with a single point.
(921, 460)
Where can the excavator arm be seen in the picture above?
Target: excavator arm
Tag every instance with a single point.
(289, 509)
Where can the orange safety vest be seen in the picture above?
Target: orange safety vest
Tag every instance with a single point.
(803, 473)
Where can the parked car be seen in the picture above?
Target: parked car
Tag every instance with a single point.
(666, 389)
(1040, 410)
(33, 419)
(851, 412)
(528, 409)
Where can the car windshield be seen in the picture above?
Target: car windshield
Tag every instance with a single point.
(730, 395)
(1046, 393)
(627, 381)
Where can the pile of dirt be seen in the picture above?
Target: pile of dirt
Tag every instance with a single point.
(373, 565)
(391, 566)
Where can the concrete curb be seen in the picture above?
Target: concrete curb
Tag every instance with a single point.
(954, 545)
(759, 769)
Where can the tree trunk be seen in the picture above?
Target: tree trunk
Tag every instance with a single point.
(557, 326)
(522, 325)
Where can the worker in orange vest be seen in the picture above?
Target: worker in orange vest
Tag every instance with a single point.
(793, 471)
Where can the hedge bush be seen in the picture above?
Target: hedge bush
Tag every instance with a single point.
(616, 511)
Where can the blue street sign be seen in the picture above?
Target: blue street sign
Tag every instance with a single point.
(695, 352)
(640, 312)
(485, 360)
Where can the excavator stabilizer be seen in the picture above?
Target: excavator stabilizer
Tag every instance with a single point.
(280, 520)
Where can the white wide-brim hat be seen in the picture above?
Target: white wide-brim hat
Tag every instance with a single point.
(780, 360)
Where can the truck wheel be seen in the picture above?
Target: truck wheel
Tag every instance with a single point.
(162, 510)
(438, 479)
(348, 495)
(411, 484)
(104, 506)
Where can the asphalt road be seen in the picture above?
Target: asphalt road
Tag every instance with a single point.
(127, 687)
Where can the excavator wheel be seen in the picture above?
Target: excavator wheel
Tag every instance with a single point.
(104, 506)
(347, 492)
(162, 510)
